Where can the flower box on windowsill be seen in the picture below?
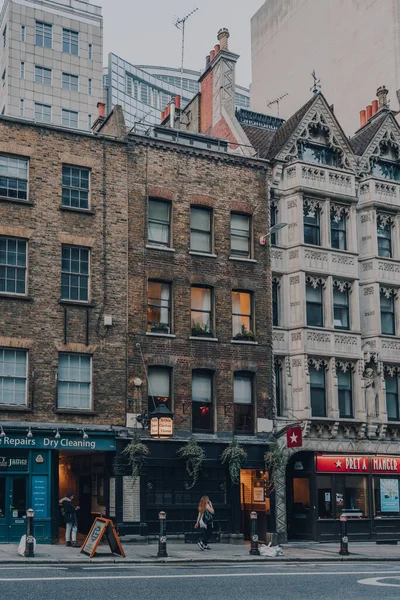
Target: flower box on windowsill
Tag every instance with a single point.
(202, 332)
(159, 328)
(244, 338)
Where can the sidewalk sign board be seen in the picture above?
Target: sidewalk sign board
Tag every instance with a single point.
(100, 528)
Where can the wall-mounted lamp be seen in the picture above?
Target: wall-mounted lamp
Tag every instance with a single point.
(272, 230)
(57, 435)
(2, 432)
(84, 434)
(29, 433)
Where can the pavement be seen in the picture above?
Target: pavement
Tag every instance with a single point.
(181, 553)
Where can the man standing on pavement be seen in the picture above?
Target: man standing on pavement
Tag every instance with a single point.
(68, 511)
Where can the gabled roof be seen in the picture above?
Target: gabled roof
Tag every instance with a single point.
(260, 138)
(364, 136)
(288, 128)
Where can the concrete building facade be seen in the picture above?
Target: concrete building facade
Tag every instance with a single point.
(51, 61)
(291, 38)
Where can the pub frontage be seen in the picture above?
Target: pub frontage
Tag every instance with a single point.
(322, 486)
(37, 468)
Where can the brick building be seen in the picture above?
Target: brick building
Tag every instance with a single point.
(63, 264)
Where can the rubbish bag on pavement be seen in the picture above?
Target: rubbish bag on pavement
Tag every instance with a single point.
(270, 550)
(22, 544)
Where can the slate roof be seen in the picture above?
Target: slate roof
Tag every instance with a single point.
(288, 128)
(260, 138)
(362, 139)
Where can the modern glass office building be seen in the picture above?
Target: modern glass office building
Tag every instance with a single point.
(143, 91)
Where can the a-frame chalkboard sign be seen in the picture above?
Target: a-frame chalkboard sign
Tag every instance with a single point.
(100, 528)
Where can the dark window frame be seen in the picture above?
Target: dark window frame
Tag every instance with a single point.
(273, 219)
(312, 231)
(209, 211)
(339, 234)
(211, 375)
(278, 389)
(151, 303)
(312, 306)
(384, 242)
(70, 41)
(240, 413)
(315, 393)
(45, 35)
(386, 312)
(342, 307)
(161, 222)
(234, 234)
(154, 401)
(342, 401)
(393, 396)
(275, 303)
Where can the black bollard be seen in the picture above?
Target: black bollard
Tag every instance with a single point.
(253, 535)
(344, 540)
(29, 542)
(162, 540)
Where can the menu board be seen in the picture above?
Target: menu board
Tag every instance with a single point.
(39, 496)
(131, 499)
(112, 497)
(100, 528)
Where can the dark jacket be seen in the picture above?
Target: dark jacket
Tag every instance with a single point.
(69, 510)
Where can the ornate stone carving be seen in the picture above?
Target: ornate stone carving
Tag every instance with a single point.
(294, 280)
(292, 204)
(391, 370)
(341, 285)
(318, 363)
(389, 267)
(319, 429)
(346, 431)
(382, 431)
(368, 291)
(393, 432)
(361, 427)
(339, 211)
(296, 336)
(316, 336)
(345, 339)
(339, 179)
(384, 220)
(297, 362)
(343, 260)
(345, 366)
(386, 141)
(293, 254)
(316, 255)
(366, 217)
(333, 429)
(276, 254)
(311, 206)
(315, 281)
(276, 279)
(388, 291)
(390, 345)
(288, 367)
(368, 266)
(278, 336)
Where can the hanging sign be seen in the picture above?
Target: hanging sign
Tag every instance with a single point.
(294, 437)
(101, 527)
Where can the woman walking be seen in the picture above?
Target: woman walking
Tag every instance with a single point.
(205, 521)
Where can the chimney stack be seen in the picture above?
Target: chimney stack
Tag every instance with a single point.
(374, 107)
(382, 94)
(223, 35)
(363, 118)
(101, 108)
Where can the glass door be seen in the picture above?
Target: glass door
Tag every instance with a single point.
(17, 495)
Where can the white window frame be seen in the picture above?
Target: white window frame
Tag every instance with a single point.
(43, 106)
(70, 112)
(41, 72)
(26, 376)
(7, 265)
(70, 77)
(44, 26)
(75, 408)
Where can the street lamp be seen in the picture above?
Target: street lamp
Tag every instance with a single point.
(272, 230)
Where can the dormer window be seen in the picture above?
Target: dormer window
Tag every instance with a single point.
(385, 169)
(319, 154)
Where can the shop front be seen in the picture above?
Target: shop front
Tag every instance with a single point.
(321, 487)
(37, 468)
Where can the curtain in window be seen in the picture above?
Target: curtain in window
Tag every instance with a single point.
(159, 382)
(201, 388)
(201, 306)
(242, 393)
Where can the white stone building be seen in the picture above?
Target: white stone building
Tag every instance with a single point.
(51, 61)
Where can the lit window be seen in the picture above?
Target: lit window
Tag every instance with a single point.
(159, 307)
(74, 381)
(242, 318)
(12, 265)
(201, 312)
(202, 401)
(13, 377)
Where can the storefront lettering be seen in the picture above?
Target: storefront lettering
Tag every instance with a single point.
(67, 443)
(39, 442)
(9, 441)
(357, 464)
(381, 463)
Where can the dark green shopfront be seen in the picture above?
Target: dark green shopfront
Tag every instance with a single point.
(38, 467)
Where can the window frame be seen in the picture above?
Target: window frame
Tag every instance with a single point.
(391, 312)
(341, 397)
(237, 253)
(278, 373)
(12, 406)
(273, 219)
(70, 113)
(211, 375)
(237, 413)
(341, 307)
(314, 228)
(90, 51)
(338, 230)
(312, 305)
(15, 179)
(152, 242)
(72, 188)
(275, 302)
(22, 33)
(395, 378)
(42, 75)
(22, 69)
(382, 251)
(43, 106)
(210, 312)
(69, 43)
(151, 324)
(69, 78)
(250, 316)
(316, 388)
(209, 211)
(151, 400)
(91, 397)
(45, 26)
(16, 267)
(78, 275)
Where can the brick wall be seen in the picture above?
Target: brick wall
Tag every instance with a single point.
(38, 322)
(225, 183)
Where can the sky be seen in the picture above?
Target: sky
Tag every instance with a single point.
(142, 31)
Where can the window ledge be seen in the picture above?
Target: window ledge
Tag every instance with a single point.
(14, 408)
(162, 248)
(77, 303)
(82, 211)
(16, 201)
(5, 296)
(248, 260)
(205, 254)
(203, 339)
(244, 342)
(75, 411)
(165, 335)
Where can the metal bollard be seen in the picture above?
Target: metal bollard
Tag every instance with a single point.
(29, 543)
(344, 540)
(162, 540)
(253, 535)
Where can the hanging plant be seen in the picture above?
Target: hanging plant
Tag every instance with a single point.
(235, 456)
(136, 453)
(274, 460)
(194, 456)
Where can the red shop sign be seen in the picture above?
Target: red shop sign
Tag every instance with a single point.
(385, 464)
(342, 464)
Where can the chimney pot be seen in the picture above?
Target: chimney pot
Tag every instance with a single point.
(212, 54)
(177, 101)
(363, 118)
(223, 35)
(369, 112)
(207, 61)
(382, 94)
(217, 48)
(374, 107)
(101, 108)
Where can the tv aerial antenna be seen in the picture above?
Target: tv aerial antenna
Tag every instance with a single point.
(317, 83)
(180, 24)
(276, 101)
